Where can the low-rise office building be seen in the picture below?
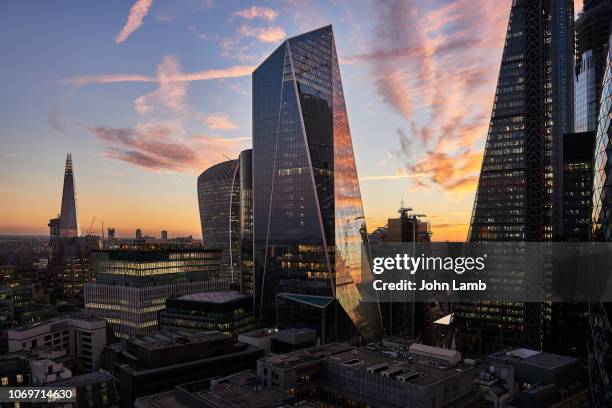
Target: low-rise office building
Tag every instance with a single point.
(345, 376)
(93, 390)
(545, 379)
(80, 337)
(280, 341)
(228, 312)
(158, 362)
(132, 286)
(241, 390)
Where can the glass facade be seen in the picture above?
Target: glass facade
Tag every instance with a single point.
(592, 30)
(586, 99)
(219, 202)
(601, 329)
(519, 195)
(228, 312)
(246, 222)
(131, 287)
(309, 228)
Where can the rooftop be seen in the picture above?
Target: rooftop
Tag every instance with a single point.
(214, 297)
(417, 370)
(536, 358)
(261, 333)
(167, 338)
(79, 380)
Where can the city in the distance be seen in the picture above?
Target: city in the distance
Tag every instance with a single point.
(306, 203)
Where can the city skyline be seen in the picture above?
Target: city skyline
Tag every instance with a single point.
(143, 122)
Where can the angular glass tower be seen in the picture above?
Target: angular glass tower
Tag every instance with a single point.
(69, 224)
(519, 195)
(308, 222)
(219, 202)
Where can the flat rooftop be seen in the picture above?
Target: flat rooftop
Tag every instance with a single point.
(424, 369)
(536, 358)
(214, 297)
(79, 380)
(427, 374)
(261, 333)
(168, 338)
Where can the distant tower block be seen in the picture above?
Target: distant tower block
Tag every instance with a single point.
(69, 223)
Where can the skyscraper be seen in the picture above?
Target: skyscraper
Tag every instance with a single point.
(519, 195)
(592, 30)
(219, 203)
(246, 221)
(308, 222)
(601, 329)
(69, 223)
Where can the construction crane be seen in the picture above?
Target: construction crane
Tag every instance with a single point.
(91, 226)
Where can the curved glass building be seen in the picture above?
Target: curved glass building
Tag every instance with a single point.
(601, 329)
(219, 202)
(308, 223)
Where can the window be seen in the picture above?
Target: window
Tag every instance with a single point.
(19, 378)
(4, 381)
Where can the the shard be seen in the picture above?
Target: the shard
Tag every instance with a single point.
(308, 221)
(69, 222)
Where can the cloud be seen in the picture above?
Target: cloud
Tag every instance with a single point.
(170, 95)
(439, 74)
(159, 141)
(55, 117)
(157, 149)
(202, 35)
(271, 34)
(391, 177)
(137, 13)
(257, 12)
(205, 75)
(217, 121)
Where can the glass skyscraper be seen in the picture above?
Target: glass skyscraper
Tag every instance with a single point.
(246, 222)
(519, 195)
(308, 222)
(219, 202)
(601, 330)
(592, 30)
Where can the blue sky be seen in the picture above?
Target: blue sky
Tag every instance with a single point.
(146, 94)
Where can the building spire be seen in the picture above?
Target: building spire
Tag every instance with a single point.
(69, 225)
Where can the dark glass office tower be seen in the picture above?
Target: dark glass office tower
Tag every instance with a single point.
(309, 227)
(246, 222)
(519, 196)
(69, 223)
(592, 30)
(219, 202)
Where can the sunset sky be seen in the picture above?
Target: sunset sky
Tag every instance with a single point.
(147, 94)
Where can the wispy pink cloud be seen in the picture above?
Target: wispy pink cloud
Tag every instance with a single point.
(137, 13)
(257, 12)
(217, 121)
(205, 75)
(271, 34)
(170, 94)
(159, 141)
(439, 73)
